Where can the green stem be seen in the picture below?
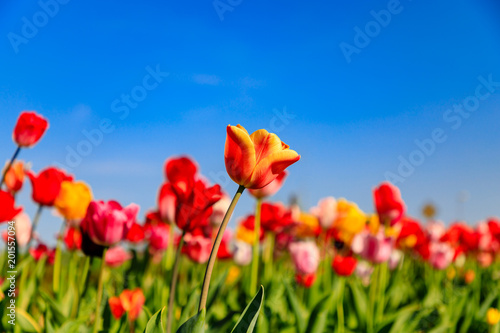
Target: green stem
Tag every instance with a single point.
(35, 224)
(100, 292)
(170, 247)
(268, 256)
(9, 165)
(340, 305)
(56, 278)
(255, 251)
(381, 290)
(215, 249)
(173, 284)
(372, 295)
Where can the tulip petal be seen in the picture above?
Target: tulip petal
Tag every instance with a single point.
(270, 167)
(265, 144)
(239, 154)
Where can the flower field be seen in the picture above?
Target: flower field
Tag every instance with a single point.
(285, 268)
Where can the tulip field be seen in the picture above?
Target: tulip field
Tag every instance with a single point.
(285, 268)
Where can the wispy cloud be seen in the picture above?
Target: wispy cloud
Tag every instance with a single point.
(211, 80)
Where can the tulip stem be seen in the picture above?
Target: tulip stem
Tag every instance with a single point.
(100, 287)
(215, 249)
(340, 305)
(9, 165)
(173, 284)
(269, 256)
(35, 224)
(255, 251)
(382, 283)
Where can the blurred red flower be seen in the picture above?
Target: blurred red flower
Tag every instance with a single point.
(7, 209)
(47, 185)
(344, 266)
(388, 203)
(73, 238)
(29, 129)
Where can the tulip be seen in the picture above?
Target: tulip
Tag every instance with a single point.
(364, 271)
(344, 266)
(469, 276)
(219, 209)
(108, 223)
(23, 229)
(14, 177)
(197, 248)
(326, 212)
(73, 238)
(305, 256)
(253, 161)
(375, 248)
(89, 248)
(30, 127)
(306, 225)
(242, 253)
(136, 233)
(350, 220)
(42, 251)
(158, 236)
(394, 259)
(7, 209)
(306, 280)
(181, 173)
(271, 188)
(129, 301)
(492, 316)
(47, 185)
(441, 255)
(388, 203)
(73, 200)
(117, 256)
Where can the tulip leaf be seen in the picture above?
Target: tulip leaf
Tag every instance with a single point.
(249, 317)
(26, 322)
(195, 324)
(58, 315)
(155, 323)
(297, 307)
(317, 319)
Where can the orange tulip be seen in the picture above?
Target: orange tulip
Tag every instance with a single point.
(130, 301)
(73, 200)
(14, 177)
(254, 161)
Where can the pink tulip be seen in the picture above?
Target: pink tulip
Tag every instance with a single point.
(364, 271)
(219, 209)
(305, 256)
(394, 259)
(441, 255)
(375, 248)
(242, 253)
(326, 212)
(435, 229)
(23, 229)
(108, 223)
(158, 236)
(117, 256)
(197, 248)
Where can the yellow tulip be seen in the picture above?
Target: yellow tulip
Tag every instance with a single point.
(493, 316)
(73, 200)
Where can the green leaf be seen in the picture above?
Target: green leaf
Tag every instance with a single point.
(249, 317)
(297, 307)
(214, 291)
(155, 324)
(58, 315)
(26, 322)
(195, 324)
(317, 319)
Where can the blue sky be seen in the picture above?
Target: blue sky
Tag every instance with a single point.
(278, 66)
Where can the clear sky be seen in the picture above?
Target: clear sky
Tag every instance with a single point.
(349, 85)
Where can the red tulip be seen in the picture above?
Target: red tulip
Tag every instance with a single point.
(256, 160)
(41, 251)
(344, 266)
(158, 236)
(181, 173)
(29, 129)
(275, 217)
(388, 203)
(108, 223)
(271, 188)
(7, 209)
(116, 307)
(136, 233)
(306, 280)
(73, 238)
(47, 185)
